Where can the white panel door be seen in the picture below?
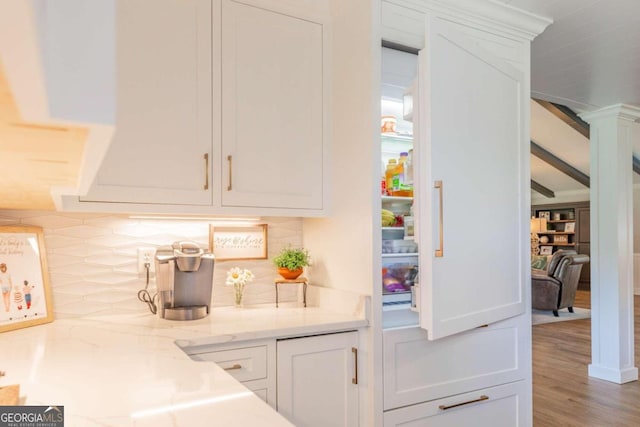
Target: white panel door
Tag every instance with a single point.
(272, 109)
(473, 146)
(418, 370)
(316, 380)
(163, 106)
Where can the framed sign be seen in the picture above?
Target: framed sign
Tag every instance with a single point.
(24, 279)
(546, 250)
(238, 242)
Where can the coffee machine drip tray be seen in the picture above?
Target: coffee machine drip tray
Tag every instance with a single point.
(193, 312)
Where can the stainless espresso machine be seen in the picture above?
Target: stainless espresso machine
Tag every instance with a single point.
(184, 279)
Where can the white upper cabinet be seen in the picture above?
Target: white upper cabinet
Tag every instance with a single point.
(221, 108)
(273, 119)
(162, 147)
(471, 183)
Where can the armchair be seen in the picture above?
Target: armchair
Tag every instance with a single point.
(553, 262)
(556, 288)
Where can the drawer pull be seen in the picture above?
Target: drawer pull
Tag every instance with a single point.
(354, 380)
(480, 399)
(234, 367)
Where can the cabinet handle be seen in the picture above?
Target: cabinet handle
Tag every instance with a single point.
(230, 160)
(234, 367)
(354, 350)
(440, 250)
(480, 399)
(206, 171)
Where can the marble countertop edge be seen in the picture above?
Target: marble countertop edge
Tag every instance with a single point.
(133, 369)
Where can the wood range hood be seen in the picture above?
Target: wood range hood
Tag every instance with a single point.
(47, 149)
(35, 157)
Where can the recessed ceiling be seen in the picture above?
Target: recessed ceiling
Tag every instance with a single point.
(557, 137)
(564, 142)
(589, 57)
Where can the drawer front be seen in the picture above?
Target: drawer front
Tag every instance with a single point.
(244, 364)
(501, 406)
(261, 393)
(418, 370)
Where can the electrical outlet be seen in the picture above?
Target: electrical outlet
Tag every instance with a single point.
(145, 255)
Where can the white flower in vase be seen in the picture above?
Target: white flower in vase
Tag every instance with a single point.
(238, 278)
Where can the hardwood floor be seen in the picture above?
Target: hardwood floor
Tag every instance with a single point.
(563, 394)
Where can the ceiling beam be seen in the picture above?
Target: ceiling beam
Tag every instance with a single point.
(536, 186)
(636, 165)
(567, 115)
(559, 164)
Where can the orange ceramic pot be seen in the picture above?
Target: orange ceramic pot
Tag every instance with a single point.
(289, 274)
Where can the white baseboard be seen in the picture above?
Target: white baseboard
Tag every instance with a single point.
(618, 376)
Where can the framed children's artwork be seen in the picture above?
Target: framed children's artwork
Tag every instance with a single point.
(24, 278)
(238, 242)
(546, 250)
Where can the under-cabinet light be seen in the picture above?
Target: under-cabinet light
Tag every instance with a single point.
(215, 220)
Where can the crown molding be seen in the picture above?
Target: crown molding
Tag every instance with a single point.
(489, 15)
(626, 112)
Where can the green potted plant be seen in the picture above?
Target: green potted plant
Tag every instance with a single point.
(290, 262)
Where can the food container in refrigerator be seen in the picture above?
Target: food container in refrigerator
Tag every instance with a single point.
(399, 246)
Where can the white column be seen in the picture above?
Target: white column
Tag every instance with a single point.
(613, 135)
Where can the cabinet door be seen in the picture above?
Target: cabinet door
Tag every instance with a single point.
(163, 106)
(273, 95)
(417, 370)
(502, 406)
(316, 380)
(472, 181)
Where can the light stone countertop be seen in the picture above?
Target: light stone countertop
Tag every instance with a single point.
(126, 370)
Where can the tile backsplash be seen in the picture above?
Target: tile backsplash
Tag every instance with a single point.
(93, 258)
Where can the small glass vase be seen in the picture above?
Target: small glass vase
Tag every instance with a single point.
(239, 289)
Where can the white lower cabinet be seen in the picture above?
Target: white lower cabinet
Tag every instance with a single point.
(317, 380)
(251, 362)
(311, 380)
(475, 378)
(501, 406)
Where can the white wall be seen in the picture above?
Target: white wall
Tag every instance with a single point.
(341, 245)
(92, 259)
(561, 197)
